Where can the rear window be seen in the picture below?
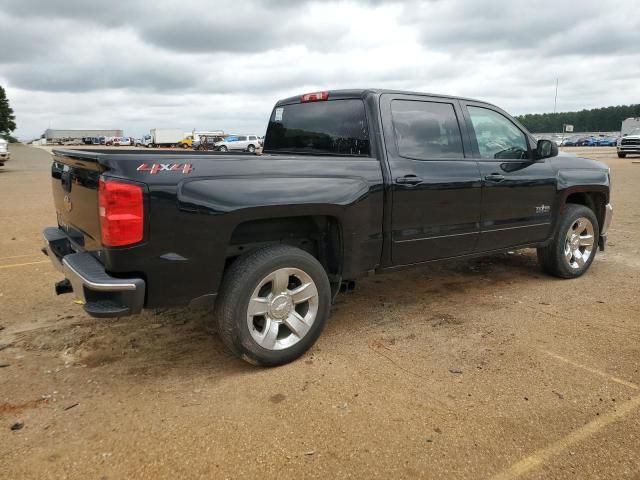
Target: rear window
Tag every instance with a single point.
(336, 127)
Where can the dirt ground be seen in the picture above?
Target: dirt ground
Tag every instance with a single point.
(478, 369)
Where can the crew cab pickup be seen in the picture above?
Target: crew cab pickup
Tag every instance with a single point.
(351, 182)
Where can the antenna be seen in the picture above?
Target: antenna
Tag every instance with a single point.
(555, 100)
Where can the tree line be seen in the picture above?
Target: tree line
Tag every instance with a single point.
(606, 119)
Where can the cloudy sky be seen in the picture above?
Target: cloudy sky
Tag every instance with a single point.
(214, 64)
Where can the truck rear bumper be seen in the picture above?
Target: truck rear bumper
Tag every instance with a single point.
(101, 294)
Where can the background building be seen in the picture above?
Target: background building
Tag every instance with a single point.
(54, 136)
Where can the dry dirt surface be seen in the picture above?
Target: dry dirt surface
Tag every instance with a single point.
(477, 369)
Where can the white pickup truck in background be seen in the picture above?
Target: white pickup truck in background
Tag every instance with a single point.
(4, 151)
(629, 141)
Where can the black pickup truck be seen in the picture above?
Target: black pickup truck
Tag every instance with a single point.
(351, 182)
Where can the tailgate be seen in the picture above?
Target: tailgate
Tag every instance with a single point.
(75, 178)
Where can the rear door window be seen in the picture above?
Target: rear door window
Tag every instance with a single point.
(426, 130)
(337, 127)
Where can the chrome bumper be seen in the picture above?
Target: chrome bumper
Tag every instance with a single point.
(101, 294)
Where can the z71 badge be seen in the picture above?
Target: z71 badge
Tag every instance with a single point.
(165, 167)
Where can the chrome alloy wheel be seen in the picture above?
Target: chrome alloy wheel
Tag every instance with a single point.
(282, 308)
(579, 243)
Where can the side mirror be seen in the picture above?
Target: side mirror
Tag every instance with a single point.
(546, 149)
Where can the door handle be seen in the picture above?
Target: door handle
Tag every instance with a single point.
(494, 177)
(409, 180)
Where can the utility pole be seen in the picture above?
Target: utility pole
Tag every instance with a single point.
(555, 104)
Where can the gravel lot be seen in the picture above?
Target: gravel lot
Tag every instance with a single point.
(481, 369)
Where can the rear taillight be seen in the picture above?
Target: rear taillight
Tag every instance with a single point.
(121, 213)
(314, 97)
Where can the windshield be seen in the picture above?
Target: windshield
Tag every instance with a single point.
(337, 127)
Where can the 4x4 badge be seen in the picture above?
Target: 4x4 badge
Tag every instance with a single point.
(165, 167)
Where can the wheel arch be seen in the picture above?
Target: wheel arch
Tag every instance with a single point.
(321, 235)
(595, 199)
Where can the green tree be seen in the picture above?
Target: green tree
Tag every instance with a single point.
(7, 118)
(606, 119)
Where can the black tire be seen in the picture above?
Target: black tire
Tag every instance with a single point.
(240, 281)
(552, 257)
(621, 155)
(251, 149)
(223, 149)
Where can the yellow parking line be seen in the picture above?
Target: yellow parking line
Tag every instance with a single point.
(23, 264)
(541, 456)
(593, 370)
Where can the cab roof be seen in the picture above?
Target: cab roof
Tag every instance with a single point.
(363, 92)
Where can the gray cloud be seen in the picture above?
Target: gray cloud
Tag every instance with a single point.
(588, 27)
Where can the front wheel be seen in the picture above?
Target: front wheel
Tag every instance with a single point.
(273, 305)
(223, 149)
(251, 149)
(574, 246)
(621, 155)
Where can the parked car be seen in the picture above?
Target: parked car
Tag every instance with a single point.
(122, 141)
(243, 143)
(5, 154)
(206, 142)
(607, 141)
(353, 182)
(571, 141)
(186, 142)
(145, 141)
(590, 141)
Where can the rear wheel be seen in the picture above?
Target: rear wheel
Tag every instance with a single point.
(223, 149)
(273, 305)
(574, 247)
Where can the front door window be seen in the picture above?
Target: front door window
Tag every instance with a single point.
(497, 137)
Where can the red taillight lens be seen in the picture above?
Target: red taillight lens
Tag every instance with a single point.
(121, 213)
(314, 97)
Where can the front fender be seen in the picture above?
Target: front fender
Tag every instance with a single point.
(570, 181)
